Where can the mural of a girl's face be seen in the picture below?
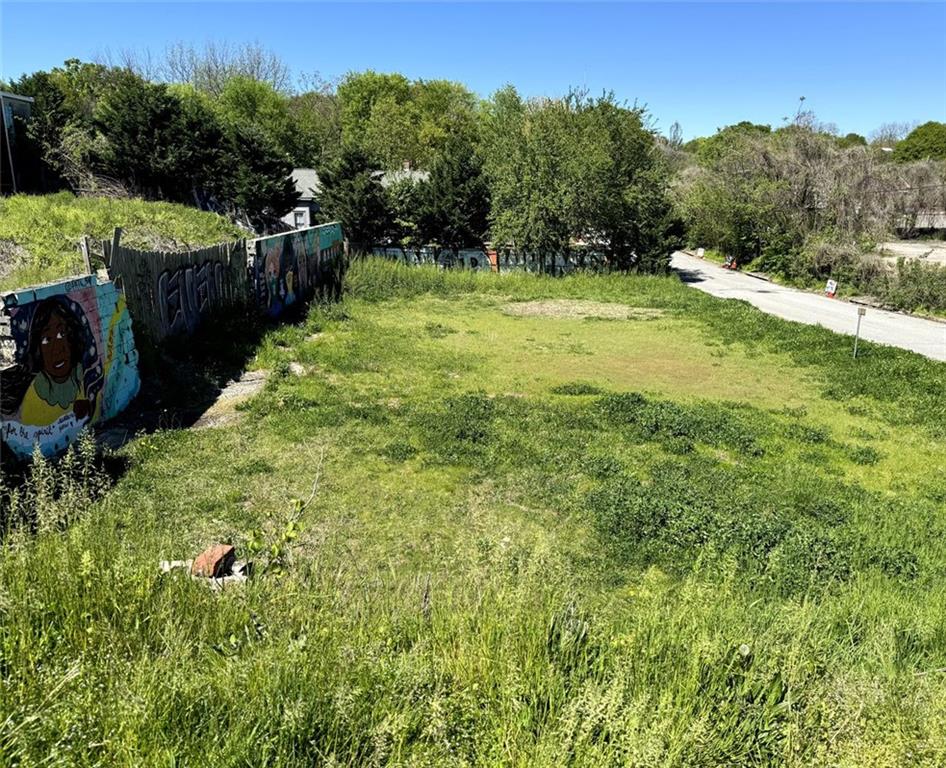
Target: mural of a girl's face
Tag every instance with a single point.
(56, 349)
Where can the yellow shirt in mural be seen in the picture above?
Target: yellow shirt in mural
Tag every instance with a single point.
(39, 411)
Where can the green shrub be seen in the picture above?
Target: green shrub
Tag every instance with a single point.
(863, 454)
(460, 428)
(576, 388)
(51, 494)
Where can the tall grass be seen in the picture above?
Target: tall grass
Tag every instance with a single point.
(578, 576)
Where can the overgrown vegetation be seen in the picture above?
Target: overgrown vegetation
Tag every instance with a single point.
(40, 234)
(705, 538)
(108, 130)
(805, 205)
(425, 164)
(537, 176)
(223, 127)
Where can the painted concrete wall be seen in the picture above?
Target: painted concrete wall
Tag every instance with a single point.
(296, 266)
(68, 358)
(74, 363)
(466, 258)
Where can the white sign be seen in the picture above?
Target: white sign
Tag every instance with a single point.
(700, 253)
(831, 288)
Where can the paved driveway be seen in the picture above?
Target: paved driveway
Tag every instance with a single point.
(928, 337)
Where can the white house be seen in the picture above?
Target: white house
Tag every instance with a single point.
(308, 186)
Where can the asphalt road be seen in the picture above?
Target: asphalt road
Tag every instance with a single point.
(928, 337)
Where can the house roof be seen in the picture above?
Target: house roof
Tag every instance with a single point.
(15, 97)
(307, 182)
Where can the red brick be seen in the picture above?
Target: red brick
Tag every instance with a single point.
(215, 561)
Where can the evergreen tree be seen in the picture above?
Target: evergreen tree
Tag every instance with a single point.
(352, 194)
(255, 176)
(454, 201)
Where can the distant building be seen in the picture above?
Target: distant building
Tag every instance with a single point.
(308, 186)
(14, 165)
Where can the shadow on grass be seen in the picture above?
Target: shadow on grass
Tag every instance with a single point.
(182, 377)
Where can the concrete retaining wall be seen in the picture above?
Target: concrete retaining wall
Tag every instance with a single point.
(72, 362)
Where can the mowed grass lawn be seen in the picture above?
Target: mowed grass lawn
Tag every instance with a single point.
(588, 521)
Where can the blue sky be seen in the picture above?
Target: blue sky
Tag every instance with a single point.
(703, 64)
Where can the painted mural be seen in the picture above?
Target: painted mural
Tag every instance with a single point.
(294, 267)
(74, 363)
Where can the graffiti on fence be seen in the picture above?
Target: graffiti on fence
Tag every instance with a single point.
(185, 294)
(502, 260)
(295, 266)
(171, 293)
(75, 363)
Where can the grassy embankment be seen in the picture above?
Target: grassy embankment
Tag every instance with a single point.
(673, 531)
(39, 234)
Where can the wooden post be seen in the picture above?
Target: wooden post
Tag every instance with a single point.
(86, 255)
(116, 240)
(6, 135)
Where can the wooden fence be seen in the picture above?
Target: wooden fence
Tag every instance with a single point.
(169, 293)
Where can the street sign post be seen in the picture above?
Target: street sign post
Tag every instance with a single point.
(861, 311)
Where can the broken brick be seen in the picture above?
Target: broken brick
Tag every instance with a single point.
(215, 561)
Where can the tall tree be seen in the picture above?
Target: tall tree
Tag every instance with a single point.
(140, 139)
(255, 176)
(454, 203)
(246, 101)
(394, 120)
(317, 113)
(620, 185)
(925, 142)
(352, 194)
(577, 169)
(524, 155)
(358, 94)
(210, 68)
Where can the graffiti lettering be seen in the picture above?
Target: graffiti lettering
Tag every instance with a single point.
(187, 294)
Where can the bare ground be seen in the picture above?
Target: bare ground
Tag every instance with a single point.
(577, 309)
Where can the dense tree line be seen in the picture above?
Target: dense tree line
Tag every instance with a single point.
(406, 163)
(107, 130)
(427, 163)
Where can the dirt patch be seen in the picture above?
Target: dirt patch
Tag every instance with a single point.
(930, 251)
(578, 309)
